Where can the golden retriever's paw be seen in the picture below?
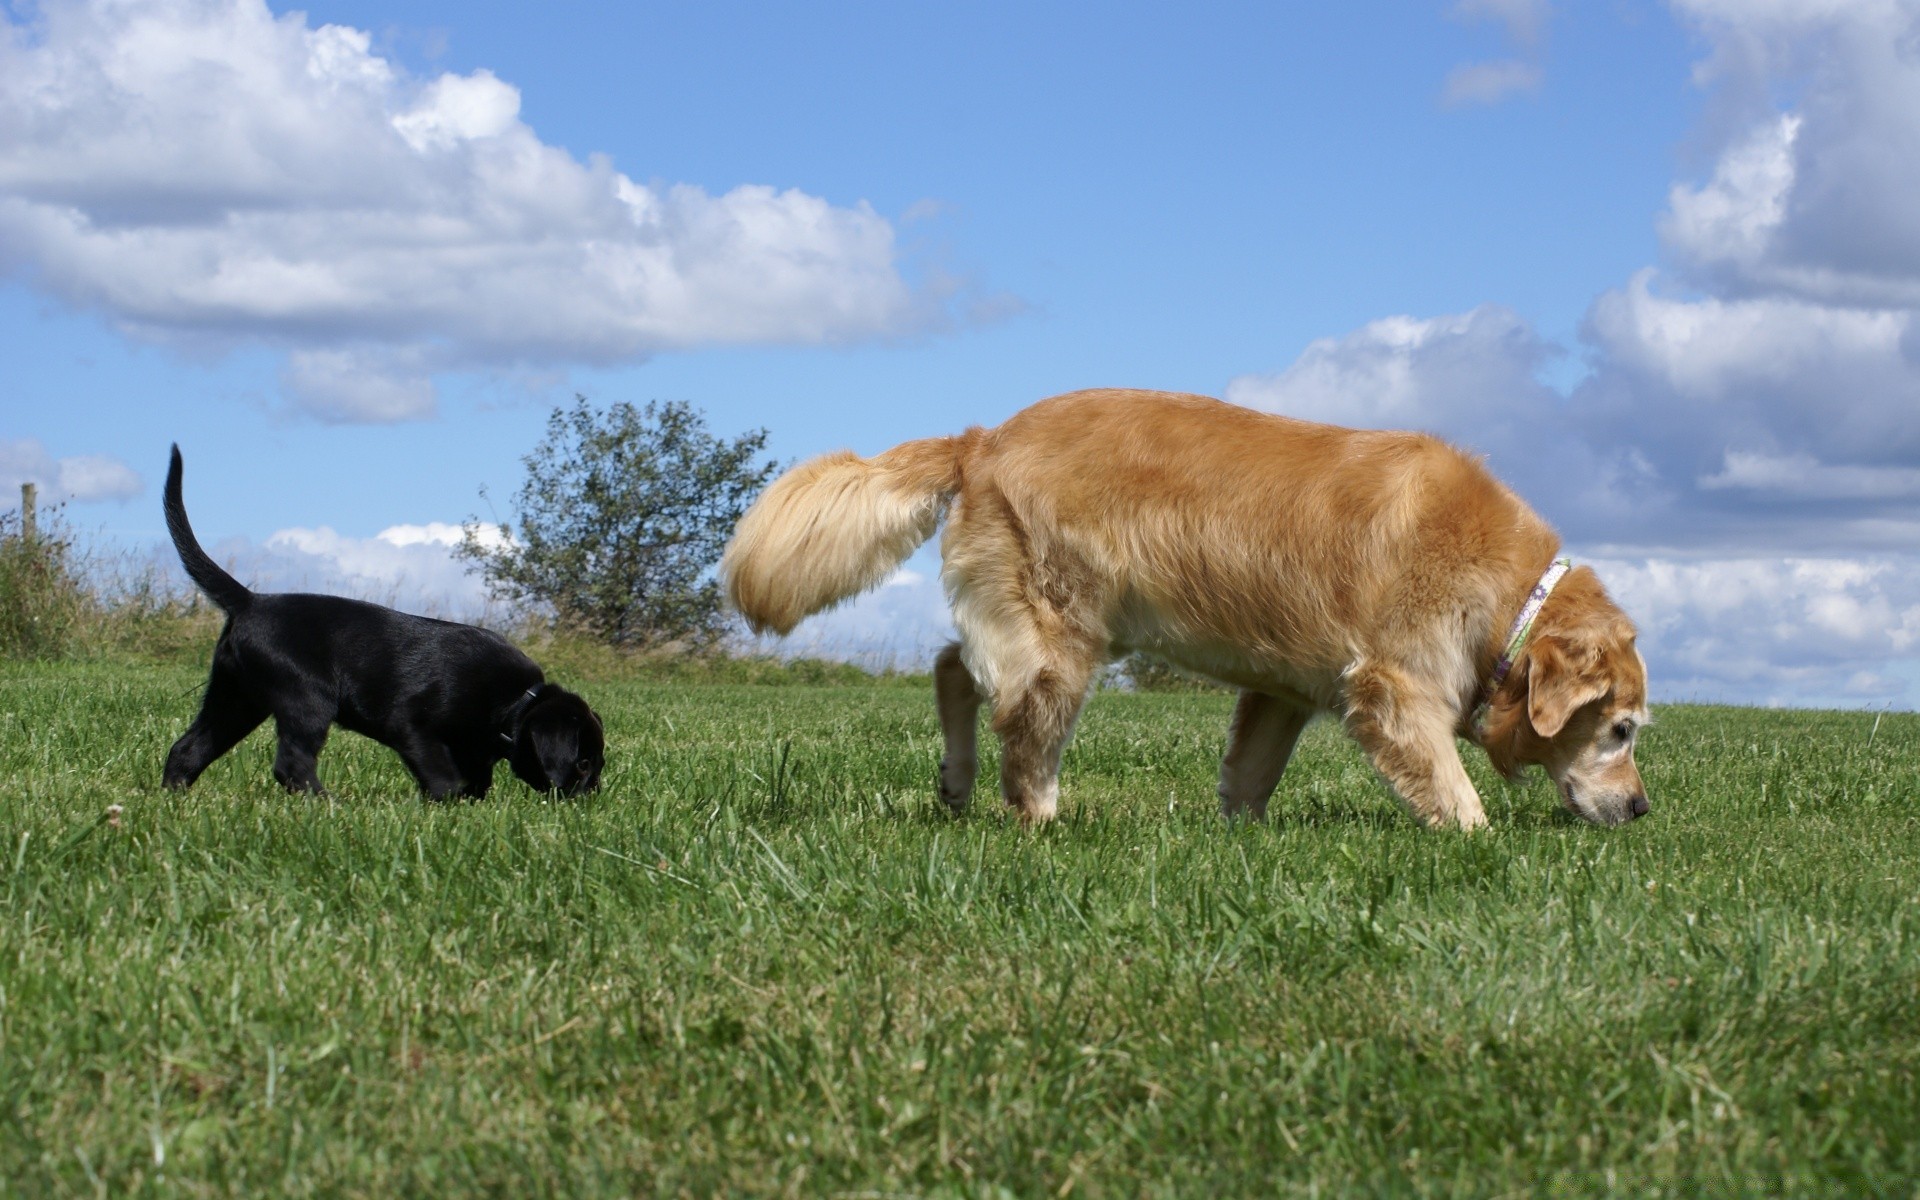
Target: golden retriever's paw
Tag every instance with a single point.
(1470, 822)
(1034, 811)
(1464, 820)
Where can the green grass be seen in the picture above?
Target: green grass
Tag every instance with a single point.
(764, 961)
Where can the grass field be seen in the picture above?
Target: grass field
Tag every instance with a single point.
(763, 961)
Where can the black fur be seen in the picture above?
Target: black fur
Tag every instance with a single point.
(451, 699)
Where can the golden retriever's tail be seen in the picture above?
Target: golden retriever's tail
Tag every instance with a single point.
(835, 526)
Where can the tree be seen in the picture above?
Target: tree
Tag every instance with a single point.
(622, 516)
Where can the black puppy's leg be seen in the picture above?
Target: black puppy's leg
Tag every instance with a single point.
(433, 766)
(300, 746)
(476, 771)
(228, 713)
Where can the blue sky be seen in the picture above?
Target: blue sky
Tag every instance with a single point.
(1656, 260)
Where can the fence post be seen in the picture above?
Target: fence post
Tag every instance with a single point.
(27, 520)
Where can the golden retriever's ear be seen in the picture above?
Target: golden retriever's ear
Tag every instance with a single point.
(1562, 675)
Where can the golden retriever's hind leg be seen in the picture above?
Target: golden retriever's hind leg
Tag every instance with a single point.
(1409, 737)
(1259, 743)
(1034, 721)
(958, 699)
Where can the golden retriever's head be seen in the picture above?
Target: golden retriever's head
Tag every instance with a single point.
(1575, 701)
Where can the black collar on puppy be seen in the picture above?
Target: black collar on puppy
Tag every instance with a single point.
(516, 712)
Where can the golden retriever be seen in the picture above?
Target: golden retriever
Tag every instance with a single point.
(1379, 576)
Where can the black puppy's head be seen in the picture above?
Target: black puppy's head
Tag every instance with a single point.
(558, 745)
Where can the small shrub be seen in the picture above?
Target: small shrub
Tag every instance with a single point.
(138, 616)
(43, 602)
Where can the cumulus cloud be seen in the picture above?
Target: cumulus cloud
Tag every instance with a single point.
(1772, 398)
(1731, 220)
(80, 477)
(1459, 373)
(352, 385)
(205, 170)
(1816, 201)
(1780, 365)
(1800, 476)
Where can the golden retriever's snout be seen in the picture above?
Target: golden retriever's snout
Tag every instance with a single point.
(1602, 805)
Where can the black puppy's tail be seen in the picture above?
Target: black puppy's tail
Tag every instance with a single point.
(223, 589)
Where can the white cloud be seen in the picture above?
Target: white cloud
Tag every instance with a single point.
(81, 477)
(359, 384)
(1711, 349)
(1819, 158)
(440, 533)
(1840, 379)
(457, 108)
(1800, 476)
(1449, 373)
(409, 567)
(1778, 403)
(1733, 218)
(1772, 630)
(205, 170)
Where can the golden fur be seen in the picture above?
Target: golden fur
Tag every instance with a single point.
(1374, 575)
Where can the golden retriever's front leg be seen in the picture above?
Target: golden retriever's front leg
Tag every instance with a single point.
(1409, 736)
(958, 700)
(1259, 743)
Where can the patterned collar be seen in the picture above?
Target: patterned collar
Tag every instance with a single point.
(1517, 636)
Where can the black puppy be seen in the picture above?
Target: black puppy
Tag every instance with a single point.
(451, 699)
